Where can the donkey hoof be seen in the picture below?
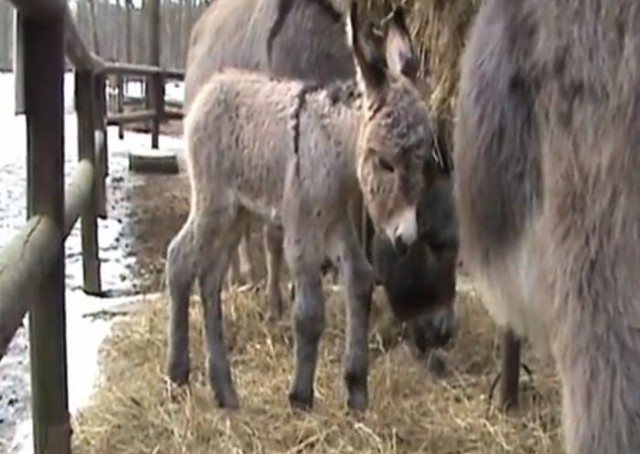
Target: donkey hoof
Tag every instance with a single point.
(177, 393)
(357, 393)
(275, 316)
(178, 372)
(358, 401)
(228, 401)
(437, 365)
(300, 400)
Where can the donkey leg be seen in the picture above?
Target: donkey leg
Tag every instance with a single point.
(302, 253)
(180, 271)
(510, 370)
(359, 280)
(308, 325)
(273, 238)
(247, 265)
(222, 240)
(234, 275)
(240, 261)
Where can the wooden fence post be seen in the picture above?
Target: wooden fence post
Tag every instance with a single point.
(157, 82)
(157, 92)
(86, 151)
(17, 66)
(102, 146)
(43, 59)
(120, 103)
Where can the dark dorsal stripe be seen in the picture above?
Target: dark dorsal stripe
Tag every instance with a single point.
(285, 7)
(344, 92)
(301, 101)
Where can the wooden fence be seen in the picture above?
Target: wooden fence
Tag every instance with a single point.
(32, 265)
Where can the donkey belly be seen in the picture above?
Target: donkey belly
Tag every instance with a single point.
(498, 177)
(512, 291)
(258, 182)
(264, 207)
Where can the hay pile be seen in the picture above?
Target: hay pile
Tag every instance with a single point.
(132, 411)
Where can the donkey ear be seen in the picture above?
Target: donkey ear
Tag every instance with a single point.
(370, 61)
(401, 55)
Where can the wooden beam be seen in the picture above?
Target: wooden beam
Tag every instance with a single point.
(130, 117)
(41, 9)
(18, 86)
(129, 101)
(76, 51)
(78, 194)
(120, 103)
(173, 74)
(173, 114)
(22, 263)
(43, 54)
(102, 145)
(27, 257)
(45, 10)
(130, 69)
(87, 153)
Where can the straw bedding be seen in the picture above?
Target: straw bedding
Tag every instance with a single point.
(134, 410)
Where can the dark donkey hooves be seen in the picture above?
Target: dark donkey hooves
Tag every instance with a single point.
(301, 401)
(509, 375)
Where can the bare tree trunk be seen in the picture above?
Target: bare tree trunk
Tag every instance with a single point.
(94, 28)
(128, 7)
(6, 35)
(116, 29)
(177, 57)
(187, 32)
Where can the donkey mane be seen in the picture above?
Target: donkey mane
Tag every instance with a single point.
(285, 7)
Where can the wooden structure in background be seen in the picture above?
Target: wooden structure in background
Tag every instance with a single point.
(32, 264)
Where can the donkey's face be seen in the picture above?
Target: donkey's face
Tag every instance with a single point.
(395, 138)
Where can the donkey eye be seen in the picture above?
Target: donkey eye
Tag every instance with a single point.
(385, 165)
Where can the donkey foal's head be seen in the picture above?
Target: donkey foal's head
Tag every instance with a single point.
(395, 136)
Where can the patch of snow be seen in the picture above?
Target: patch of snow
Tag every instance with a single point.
(174, 90)
(84, 334)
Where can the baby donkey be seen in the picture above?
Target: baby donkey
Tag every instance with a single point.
(294, 153)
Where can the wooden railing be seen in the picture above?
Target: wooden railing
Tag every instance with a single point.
(32, 264)
(158, 110)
